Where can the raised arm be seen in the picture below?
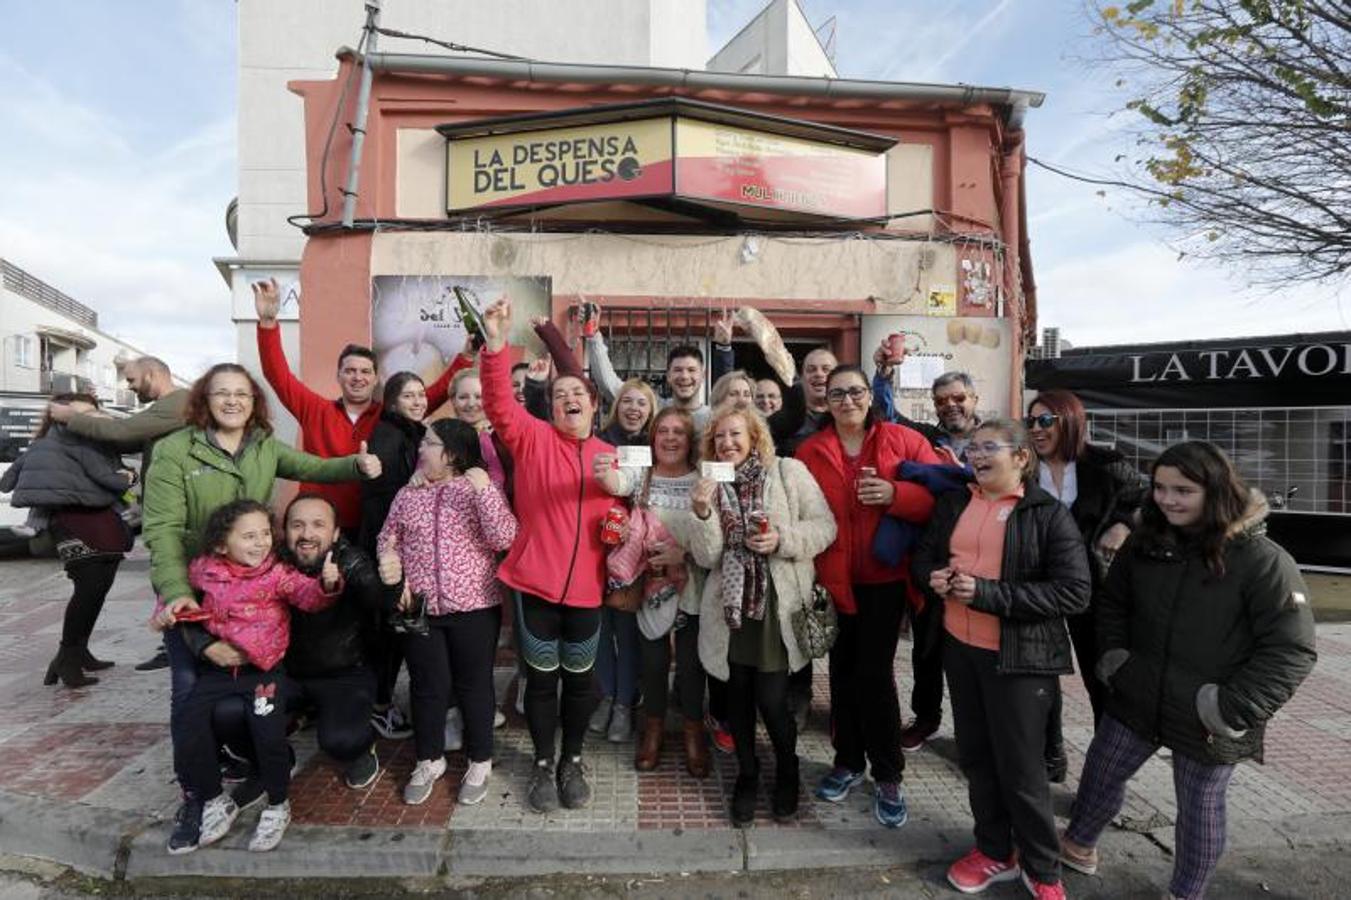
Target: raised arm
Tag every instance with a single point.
(291, 391)
(565, 361)
(603, 373)
(510, 420)
(438, 392)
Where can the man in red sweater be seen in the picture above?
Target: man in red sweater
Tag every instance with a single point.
(332, 427)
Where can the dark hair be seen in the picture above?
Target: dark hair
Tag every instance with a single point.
(520, 367)
(687, 420)
(63, 399)
(150, 363)
(462, 447)
(358, 350)
(224, 518)
(394, 387)
(309, 495)
(198, 411)
(1223, 505)
(1016, 434)
(871, 418)
(953, 377)
(679, 351)
(586, 383)
(1073, 421)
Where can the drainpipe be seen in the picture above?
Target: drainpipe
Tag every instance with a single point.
(1011, 222)
(349, 193)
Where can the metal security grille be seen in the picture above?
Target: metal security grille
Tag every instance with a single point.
(640, 337)
(1300, 458)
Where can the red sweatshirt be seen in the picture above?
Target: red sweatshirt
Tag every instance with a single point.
(850, 559)
(558, 555)
(325, 429)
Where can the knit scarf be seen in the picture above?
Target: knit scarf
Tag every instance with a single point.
(745, 575)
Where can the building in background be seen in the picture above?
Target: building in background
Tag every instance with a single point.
(1280, 406)
(778, 41)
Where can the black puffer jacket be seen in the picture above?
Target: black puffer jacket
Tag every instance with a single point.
(1044, 577)
(61, 469)
(1249, 631)
(395, 441)
(1110, 493)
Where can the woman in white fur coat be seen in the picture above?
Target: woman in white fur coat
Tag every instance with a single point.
(757, 536)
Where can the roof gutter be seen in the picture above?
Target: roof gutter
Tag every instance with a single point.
(1017, 101)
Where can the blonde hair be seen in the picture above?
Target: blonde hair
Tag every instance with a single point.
(756, 429)
(459, 378)
(642, 387)
(723, 386)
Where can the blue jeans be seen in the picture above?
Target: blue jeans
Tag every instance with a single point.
(182, 679)
(619, 661)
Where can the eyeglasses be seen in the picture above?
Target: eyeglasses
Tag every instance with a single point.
(1043, 421)
(855, 393)
(222, 396)
(950, 400)
(988, 448)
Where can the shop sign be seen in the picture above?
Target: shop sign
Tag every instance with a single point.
(561, 165)
(738, 165)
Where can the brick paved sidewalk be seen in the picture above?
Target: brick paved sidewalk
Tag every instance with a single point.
(104, 751)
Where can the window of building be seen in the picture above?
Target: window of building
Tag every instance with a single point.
(1299, 458)
(24, 351)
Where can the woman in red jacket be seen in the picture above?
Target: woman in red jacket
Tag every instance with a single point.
(564, 481)
(854, 459)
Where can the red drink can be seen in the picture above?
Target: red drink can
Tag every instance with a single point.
(760, 520)
(864, 472)
(896, 347)
(612, 529)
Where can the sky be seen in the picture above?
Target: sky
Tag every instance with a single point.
(119, 150)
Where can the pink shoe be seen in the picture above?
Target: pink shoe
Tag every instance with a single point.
(1044, 891)
(975, 872)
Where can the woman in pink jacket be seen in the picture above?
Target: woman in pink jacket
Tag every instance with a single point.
(446, 535)
(564, 478)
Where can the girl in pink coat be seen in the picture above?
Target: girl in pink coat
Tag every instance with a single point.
(246, 593)
(446, 535)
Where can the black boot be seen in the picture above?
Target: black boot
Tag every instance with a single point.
(91, 663)
(743, 798)
(1057, 764)
(66, 666)
(787, 785)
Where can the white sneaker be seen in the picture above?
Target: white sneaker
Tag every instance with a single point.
(425, 774)
(271, 826)
(454, 730)
(499, 718)
(474, 786)
(218, 815)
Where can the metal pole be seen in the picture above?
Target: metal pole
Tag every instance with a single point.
(349, 193)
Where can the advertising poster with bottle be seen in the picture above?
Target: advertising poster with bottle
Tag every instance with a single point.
(420, 322)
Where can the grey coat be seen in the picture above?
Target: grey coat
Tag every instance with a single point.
(60, 469)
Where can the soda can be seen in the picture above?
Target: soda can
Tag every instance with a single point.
(612, 529)
(760, 520)
(863, 473)
(896, 347)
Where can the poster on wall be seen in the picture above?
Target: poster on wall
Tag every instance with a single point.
(417, 324)
(937, 344)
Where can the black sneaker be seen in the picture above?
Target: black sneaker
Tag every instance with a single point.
(159, 661)
(573, 791)
(743, 799)
(362, 770)
(248, 793)
(542, 794)
(187, 827)
(783, 802)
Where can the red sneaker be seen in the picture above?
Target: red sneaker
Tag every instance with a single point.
(1044, 891)
(975, 872)
(722, 738)
(916, 733)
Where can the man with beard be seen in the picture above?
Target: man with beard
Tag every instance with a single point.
(326, 658)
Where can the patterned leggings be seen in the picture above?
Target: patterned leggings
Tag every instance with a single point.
(1115, 755)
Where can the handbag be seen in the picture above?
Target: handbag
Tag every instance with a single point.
(816, 624)
(629, 597)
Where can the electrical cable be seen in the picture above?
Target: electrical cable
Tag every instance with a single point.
(449, 45)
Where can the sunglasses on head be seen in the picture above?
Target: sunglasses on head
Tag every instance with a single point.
(1043, 421)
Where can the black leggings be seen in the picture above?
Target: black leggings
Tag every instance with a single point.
(342, 698)
(558, 641)
(93, 578)
(865, 713)
(656, 658)
(386, 652)
(265, 695)
(458, 649)
(749, 689)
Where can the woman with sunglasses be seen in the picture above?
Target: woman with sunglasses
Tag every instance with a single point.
(855, 458)
(1007, 562)
(1103, 493)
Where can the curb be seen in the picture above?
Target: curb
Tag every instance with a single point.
(89, 839)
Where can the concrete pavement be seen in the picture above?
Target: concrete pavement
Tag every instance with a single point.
(85, 781)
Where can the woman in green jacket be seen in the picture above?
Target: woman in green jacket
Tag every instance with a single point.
(1204, 631)
(226, 453)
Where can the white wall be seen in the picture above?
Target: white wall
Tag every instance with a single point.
(778, 41)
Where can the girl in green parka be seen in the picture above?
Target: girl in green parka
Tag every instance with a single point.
(1205, 630)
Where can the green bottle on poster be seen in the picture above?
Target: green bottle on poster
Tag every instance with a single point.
(471, 318)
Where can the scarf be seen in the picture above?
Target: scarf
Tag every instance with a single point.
(745, 575)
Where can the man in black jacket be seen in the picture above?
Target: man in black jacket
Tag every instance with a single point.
(326, 658)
